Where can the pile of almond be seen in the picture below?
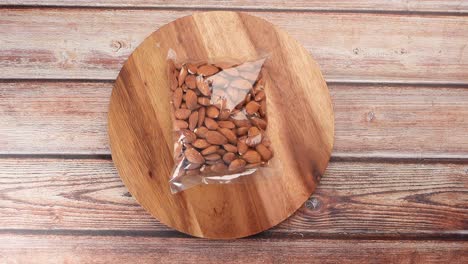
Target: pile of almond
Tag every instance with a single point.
(220, 117)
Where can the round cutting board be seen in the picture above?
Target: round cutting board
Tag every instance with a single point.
(300, 125)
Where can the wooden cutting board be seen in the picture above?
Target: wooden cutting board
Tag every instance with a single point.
(300, 114)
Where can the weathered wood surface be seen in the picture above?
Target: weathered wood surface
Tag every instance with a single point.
(32, 248)
(359, 199)
(93, 44)
(456, 6)
(399, 121)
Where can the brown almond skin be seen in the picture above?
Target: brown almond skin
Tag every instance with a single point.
(210, 150)
(179, 124)
(183, 106)
(230, 148)
(242, 146)
(204, 101)
(216, 138)
(203, 86)
(194, 156)
(252, 156)
(253, 165)
(231, 136)
(191, 81)
(201, 116)
(237, 164)
(242, 131)
(259, 122)
(210, 123)
(201, 143)
(201, 131)
(191, 100)
(177, 97)
(264, 152)
(242, 123)
(183, 73)
(259, 96)
(213, 157)
(212, 111)
(224, 114)
(253, 131)
(193, 120)
(229, 157)
(182, 114)
(207, 70)
(227, 124)
(221, 151)
(192, 68)
(262, 109)
(252, 107)
(189, 136)
(218, 167)
(174, 81)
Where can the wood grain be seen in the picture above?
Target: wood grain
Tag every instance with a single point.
(356, 199)
(300, 126)
(93, 44)
(458, 6)
(390, 121)
(112, 249)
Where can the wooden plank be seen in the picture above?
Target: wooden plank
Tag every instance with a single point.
(457, 6)
(117, 249)
(93, 44)
(360, 199)
(370, 120)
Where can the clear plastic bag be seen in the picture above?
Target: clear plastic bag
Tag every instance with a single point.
(220, 121)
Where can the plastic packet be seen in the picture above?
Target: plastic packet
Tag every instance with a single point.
(220, 121)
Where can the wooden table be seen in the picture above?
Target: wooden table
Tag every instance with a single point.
(397, 186)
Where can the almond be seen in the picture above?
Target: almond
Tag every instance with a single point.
(253, 165)
(203, 86)
(231, 136)
(201, 131)
(177, 97)
(201, 143)
(241, 122)
(191, 81)
(242, 131)
(259, 122)
(212, 111)
(201, 116)
(189, 136)
(192, 166)
(262, 109)
(229, 157)
(241, 84)
(230, 148)
(242, 146)
(252, 156)
(213, 157)
(218, 167)
(227, 124)
(224, 114)
(179, 124)
(174, 82)
(210, 123)
(192, 68)
(216, 138)
(221, 151)
(193, 120)
(237, 164)
(182, 113)
(252, 107)
(204, 101)
(259, 96)
(191, 100)
(264, 152)
(182, 74)
(194, 156)
(210, 150)
(183, 106)
(253, 131)
(207, 70)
